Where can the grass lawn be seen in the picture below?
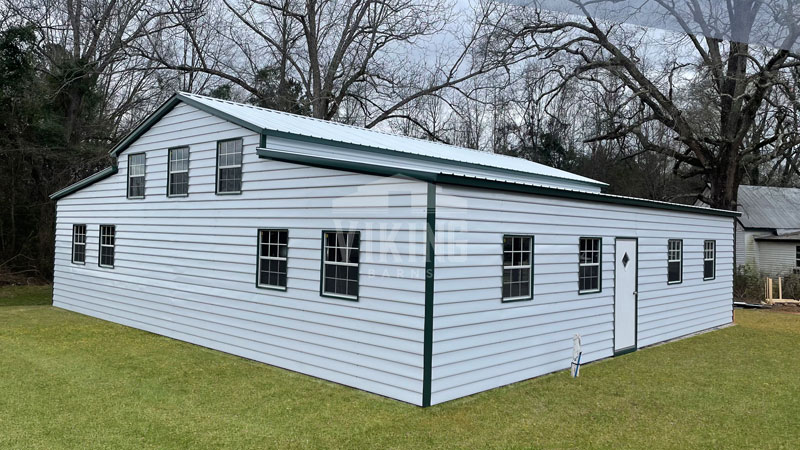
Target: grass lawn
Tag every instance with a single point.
(69, 381)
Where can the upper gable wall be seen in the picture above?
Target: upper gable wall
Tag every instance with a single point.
(183, 126)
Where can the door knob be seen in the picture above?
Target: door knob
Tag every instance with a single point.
(635, 292)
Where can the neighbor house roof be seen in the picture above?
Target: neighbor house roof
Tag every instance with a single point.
(769, 207)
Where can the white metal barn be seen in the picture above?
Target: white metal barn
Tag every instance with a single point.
(411, 269)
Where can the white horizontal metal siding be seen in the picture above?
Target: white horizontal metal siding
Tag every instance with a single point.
(186, 267)
(777, 258)
(481, 343)
(751, 255)
(741, 258)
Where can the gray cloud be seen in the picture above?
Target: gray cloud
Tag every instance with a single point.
(772, 23)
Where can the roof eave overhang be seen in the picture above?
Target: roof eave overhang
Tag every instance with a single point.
(353, 146)
(461, 180)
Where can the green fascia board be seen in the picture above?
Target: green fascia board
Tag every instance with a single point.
(102, 175)
(414, 156)
(461, 180)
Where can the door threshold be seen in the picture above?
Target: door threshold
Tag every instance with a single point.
(624, 351)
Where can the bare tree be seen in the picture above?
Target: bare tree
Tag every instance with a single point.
(368, 54)
(744, 119)
(84, 44)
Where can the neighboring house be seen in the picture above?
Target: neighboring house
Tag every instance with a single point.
(415, 270)
(768, 231)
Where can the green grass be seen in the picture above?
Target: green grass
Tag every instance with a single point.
(69, 381)
(26, 295)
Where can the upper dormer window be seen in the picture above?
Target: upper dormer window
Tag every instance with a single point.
(178, 168)
(229, 166)
(136, 172)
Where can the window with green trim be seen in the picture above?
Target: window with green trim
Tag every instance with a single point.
(178, 172)
(79, 244)
(340, 253)
(517, 267)
(589, 260)
(273, 249)
(229, 166)
(709, 259)
(136, 175)
(674, 261)
(107, 243)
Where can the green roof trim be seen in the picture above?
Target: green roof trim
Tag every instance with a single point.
(414, 156)
(461, 180)
(102, 175)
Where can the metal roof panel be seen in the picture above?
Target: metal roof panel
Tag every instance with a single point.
(292, 124)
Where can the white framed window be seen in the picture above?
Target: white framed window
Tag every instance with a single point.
(709, 259)
(340, 260)
(229, 166)
(107, 243)
(517, 268)
(674, 261)
(136, 175)
(590, 258)
(79, 244)
(273, 247)
(178, 172)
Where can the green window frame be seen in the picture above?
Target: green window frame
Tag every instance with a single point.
(709, 260)
(517, 280)
(341, 258)
(273, 258)
(229, 166)
(105, 255)
(675, 261)
(178, 172)
(79, 244)
(137, 172)
(590, 265)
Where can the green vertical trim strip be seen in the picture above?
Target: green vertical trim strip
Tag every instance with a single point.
(430, 255)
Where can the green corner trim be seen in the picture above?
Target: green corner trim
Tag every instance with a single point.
(102, 175)
(430, 256)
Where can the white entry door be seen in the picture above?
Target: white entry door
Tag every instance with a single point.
(625, 273)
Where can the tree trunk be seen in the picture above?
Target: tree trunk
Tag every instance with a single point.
(725, 178)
